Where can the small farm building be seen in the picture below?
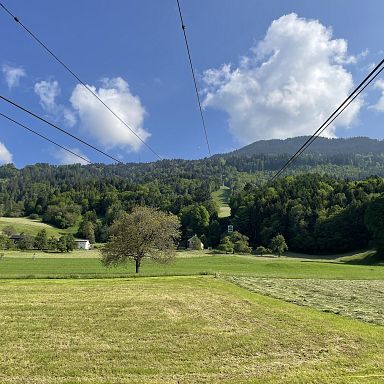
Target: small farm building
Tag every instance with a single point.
(83, 244)
(17, 238)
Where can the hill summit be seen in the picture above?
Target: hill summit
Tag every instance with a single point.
(323, 145)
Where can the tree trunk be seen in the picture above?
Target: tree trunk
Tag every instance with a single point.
(137, 264)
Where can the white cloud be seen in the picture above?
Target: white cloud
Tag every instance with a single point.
(66, 157)
(13, 75)
(289, 84)
(98, 122)
(352, 59)
(48, 91)
(379, 106)
(5, 155)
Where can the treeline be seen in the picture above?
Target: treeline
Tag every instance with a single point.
(315, 214)
(41, 242)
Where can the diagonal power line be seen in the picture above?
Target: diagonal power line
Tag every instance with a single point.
(17, 20)
(193, 76)
(313, 138)
(58, 128)
(44, 137)
(360, 88)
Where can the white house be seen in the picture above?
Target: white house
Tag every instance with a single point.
(83, 244)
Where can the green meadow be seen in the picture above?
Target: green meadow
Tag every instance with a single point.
(204, 318)
(175, 330)
(31, 227)
(83, 264)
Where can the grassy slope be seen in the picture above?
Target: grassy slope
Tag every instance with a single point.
(17, 267)
(169, 330)
(221, 197)
(23, 224)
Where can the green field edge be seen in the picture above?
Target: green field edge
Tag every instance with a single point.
(16, 267)
(80, 276)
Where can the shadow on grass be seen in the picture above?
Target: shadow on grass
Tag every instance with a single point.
(342, 257)
(367, 258)
(95, 276)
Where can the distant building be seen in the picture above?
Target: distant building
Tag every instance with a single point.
(195, 243)
(83, 244)
(16, 238)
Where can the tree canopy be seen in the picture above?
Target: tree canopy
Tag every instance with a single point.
(278, 245)
(374, 218)
(144, 233)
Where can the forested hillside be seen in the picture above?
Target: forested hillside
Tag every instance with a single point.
(315, 214)
(319, 207)
(65, 195)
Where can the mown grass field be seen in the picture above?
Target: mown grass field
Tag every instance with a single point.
(32, 227)
(221, 197)
(359, 299)
(36, 254)
(175, 330)
(234, 325)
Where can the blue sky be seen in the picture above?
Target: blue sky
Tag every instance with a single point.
(266, 69)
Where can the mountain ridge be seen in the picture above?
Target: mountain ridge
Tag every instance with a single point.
(323, 145)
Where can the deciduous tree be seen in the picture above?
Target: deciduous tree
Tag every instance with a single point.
(41, 240)
(66, 243)
(226, 245)
(145, 233)
(278, 245)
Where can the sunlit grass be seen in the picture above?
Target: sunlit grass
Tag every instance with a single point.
(175, 329)
(34, 254)
(359, 299)
(32, 227)
(221, 197)
(66, 266)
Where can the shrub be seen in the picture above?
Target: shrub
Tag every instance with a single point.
(241, 246)
(261, 250)
(27, 242)
(225, 246)
(5, 242)
(278, 245)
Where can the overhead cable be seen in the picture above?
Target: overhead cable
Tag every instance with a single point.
(58, 128)
(193, 76)
(17, 20)
(46, 138)
(360, 88)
